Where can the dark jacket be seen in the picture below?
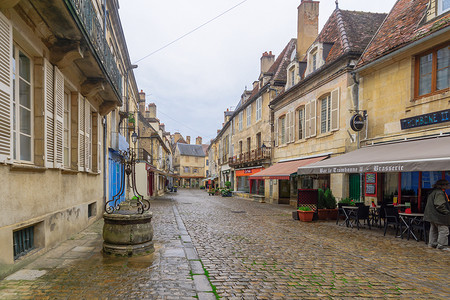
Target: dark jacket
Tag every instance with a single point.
(438, 208)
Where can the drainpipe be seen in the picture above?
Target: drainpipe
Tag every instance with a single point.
(105, 158)
(355, 92)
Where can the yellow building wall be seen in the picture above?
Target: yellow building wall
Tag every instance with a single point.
(261, 126)
(336, 142)
(192, 162)
(387, 93)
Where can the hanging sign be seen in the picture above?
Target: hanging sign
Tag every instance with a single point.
(357, 122)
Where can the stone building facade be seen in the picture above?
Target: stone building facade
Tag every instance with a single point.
(58, 82)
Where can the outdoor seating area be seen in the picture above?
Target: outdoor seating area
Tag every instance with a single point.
(397, 217)
(392, 218)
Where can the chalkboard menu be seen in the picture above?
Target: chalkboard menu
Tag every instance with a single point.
(370, 189)
(371, 178)
(371, 184)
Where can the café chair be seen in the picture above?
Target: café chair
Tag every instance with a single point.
(363, 213)
(340, 212)
(390, 216)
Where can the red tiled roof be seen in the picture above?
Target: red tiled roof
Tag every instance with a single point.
(404, 25)
(278, 69)
(349, 31)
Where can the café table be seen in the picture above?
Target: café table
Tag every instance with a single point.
(411, 221)
(350, 213)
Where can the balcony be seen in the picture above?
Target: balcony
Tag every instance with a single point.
(76, 37)
(86, 17)
(250, 158)
(143, 155)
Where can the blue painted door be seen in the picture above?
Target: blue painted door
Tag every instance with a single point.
(115, 177)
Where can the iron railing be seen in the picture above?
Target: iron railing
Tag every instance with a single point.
(86, 16)
(143, 155)
(251, 156)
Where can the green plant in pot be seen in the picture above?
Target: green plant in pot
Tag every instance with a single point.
(347, 202)
(305, 213)
(330, 203)
(321, 205)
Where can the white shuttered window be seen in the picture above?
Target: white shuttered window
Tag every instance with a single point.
(5, 89)
(54, 114)
(22, 110)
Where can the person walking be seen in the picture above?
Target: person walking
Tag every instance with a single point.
(437, 212)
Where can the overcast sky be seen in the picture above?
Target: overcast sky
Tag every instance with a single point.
(195, 79)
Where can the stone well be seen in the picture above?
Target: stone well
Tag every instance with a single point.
(127, 233)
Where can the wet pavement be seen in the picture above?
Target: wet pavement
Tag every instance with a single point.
(233, 248)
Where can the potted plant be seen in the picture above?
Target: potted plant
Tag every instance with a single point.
(226, 192)
(330, 203)
(346, 202)
(305, 213)
(322, 210)
(131, 120)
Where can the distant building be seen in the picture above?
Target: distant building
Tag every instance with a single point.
(189, 165)
(154, 171)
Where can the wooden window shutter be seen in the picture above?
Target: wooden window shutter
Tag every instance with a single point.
(287, 127)
(292, 126)
(59, 118)
(303, 124)
(99, 143)
(87, 135)
(313, 117)
(308, 120)
(81, 138)
(6, 89)
(276, 132)
(49, 114)
(335, 109)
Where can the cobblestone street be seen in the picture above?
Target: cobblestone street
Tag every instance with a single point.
(208, 246)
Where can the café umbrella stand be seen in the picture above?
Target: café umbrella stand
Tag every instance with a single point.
(127, 229)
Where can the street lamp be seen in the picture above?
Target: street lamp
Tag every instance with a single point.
(134, 138)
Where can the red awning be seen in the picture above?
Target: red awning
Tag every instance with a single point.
(283, 170)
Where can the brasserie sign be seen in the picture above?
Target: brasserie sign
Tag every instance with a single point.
(385, 168)
(427, 119)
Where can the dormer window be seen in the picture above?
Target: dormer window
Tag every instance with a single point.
(292, 76)
(443, 6)
(292, 73)
(314, 61)
(315, 58)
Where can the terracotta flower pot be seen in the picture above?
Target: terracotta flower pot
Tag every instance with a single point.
(322, 213)
(332, 213)
(305, 216)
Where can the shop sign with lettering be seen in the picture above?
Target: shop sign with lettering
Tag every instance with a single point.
(357, 122)
(427, 119)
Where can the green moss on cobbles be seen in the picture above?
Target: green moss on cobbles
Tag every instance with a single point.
(213, 287)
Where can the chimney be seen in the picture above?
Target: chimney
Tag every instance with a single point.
(176, 137)
(308, 26)
(142, 102)
(267, 61)
(162, 127)
(151, 111)
(188, 139)
(198, 140)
